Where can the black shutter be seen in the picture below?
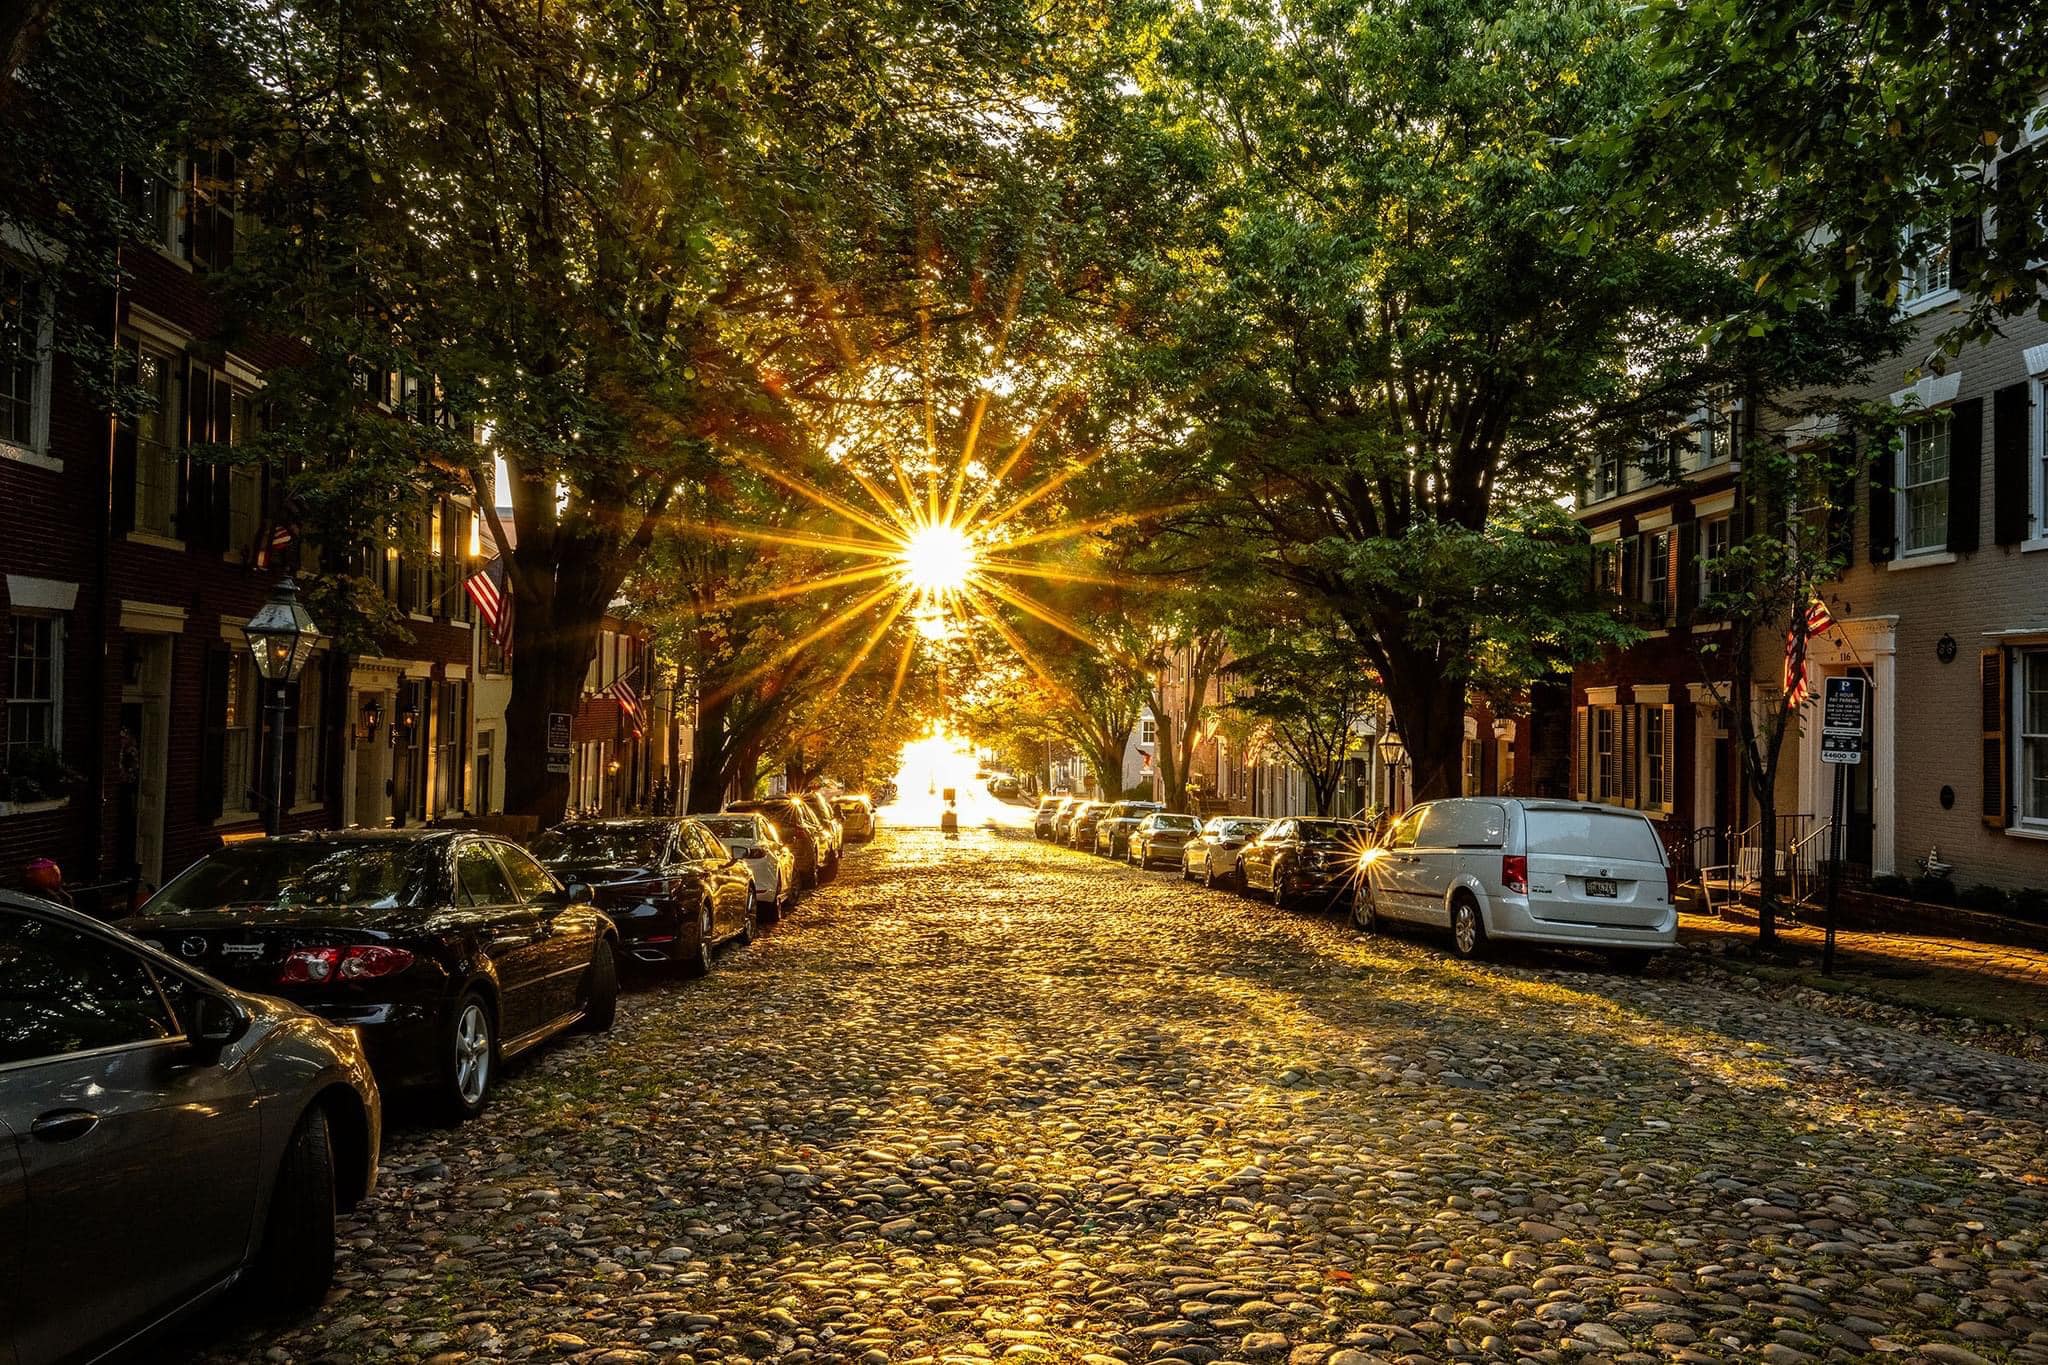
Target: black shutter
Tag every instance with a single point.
(1991, 681)
(1884, 528)
(1965, 475)
(1965, 252)
(193, 496)
(220, 477)
(1842, 505)
(213, 734)
(2010, 409)
(1685, 589)
(121, 496)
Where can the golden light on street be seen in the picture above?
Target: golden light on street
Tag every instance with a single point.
(938, 560)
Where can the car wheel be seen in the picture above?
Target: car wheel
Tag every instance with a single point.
(600, 989)
(698, 963)
(750, 923)
(469, 1061)
(296, 1265)
(1468, 930)
(1365, 916)
(768, 911)
(1281, 890)
(1628, 961)
(1208, 873)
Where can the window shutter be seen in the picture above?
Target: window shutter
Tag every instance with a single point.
(1965, 249)
(1672, 560)
(2010, 408)
(225, 199)
(1685, 569)
(213, 736)
(123, 473)
(192, 497)
(1579, 755)
(1624, 758)
(1842, 507)
(1991, 676)
(1670, 755)
(1884, 529)
(1965, 475)
(220, 475)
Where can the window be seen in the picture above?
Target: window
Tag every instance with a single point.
(530, 881)
(1606, 474)
(450, 726)
(1924, 272)
(306, 752)
(482, 881)
(1657, 572)
(1714, 534)
(208, 241)
(1923, 485)
(1607, 568)
(35, 686)
(239, 734)
(2031, 728)
(1471, 767)
(156, 442)
(1719, 438)
(245, 480)
(1148, 731)
(67, 991)
(1606, 753)
(1656, 757)
(24, 360)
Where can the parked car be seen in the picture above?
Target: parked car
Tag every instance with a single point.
(752, 838)
(1063, 819)
(1299, 856)
(799, 829)
(857, 814)
(1216, 854)
(1159, 837)
(672, 889)
(1042, 818)
(448, 952)
(1563, 872)
(820, 810)
(1081, 827)
(175, 1137)
(1113, 828)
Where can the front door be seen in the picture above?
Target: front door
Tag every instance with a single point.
(1858, 820)
(138, 1156)
(143, 753)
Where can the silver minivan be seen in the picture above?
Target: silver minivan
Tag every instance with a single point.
(1563, 872)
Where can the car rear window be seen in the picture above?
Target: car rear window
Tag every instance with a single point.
(288, 876)
(1175, 822)
(1606, 834)
(732, 826)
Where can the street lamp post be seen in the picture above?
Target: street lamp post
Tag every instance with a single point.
(1392, 754)
(280, 641)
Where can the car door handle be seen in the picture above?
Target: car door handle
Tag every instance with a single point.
(64, 1125)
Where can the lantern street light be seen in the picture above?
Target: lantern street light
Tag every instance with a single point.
(1393, 753)
(280, 641)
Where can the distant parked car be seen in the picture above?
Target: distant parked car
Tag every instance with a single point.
(1160, 837)
(828, 820)
(1215, 855)
(1113, 829)
(1081, 826)
(1563, 872)
(1063, 818)
(1042, 818)
(857, 814)
(448, 952)
(175, 1137)
(1299, 856)
(768, 860)
(672, 889)
(798, 828)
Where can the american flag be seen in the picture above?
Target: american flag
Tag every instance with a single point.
(1818, 621)
(622, 691)
(488, 589)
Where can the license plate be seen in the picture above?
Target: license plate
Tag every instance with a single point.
(1602, 886)
(251, 950)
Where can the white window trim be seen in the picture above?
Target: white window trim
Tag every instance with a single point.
(2037, 452)
(58, 621)
(2019, 822)
(1914, 305)
(1926, 559)
(37, 451)
(1933, 553)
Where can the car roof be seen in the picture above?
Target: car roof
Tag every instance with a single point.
(412, 834)
(620, 821)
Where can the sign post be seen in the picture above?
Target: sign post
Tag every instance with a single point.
(558, 741)
(1845, 705)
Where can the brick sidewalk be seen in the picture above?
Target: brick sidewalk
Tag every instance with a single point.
(1993, 982)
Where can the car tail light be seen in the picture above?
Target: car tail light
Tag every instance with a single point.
(355, 962)
(1514, 873)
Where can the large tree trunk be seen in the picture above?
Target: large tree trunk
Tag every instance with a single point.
(559, 603)
(1430, 710)
(707, 758)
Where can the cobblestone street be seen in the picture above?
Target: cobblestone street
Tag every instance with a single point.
(987, 1099)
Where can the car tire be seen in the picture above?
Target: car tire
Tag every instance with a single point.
(600, 989)
(1468, 929)
(469, 1058)
(1208, 873)
(698, 964)
(1280, 887)
(1628, 961)
(766, 912)
(296, 1265)
(750, 925)
(1365, 916)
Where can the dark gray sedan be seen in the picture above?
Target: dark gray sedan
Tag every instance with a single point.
(162, 1137)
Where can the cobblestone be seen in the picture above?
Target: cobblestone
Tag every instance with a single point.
(983, 1101)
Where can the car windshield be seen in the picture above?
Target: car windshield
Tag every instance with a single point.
(1182, 822)
(1331, 832)
(850, 805)
(303, 876)
(600, 844)
(731, 826)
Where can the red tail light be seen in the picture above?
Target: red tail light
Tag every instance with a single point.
(1514, 873)
(355, 962)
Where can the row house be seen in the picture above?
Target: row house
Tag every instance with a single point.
(615, 746)
(1942, 608)
(135, 727)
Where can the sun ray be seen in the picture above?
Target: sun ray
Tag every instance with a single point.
(1016, 642)
(902, 671)
(1052, 484)
(997, 355)
(874, 638)
(831, 625)
(1017, 452)
(804, 488)
(1056, 574)
(802, 540)
(1082, 528)
(837, 580)
(1031, 606)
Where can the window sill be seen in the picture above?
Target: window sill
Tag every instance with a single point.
(307, 808)
(1710, 627)
(419, 616)
(152, 539)
(34, 458)
(8, 808)
(1927, 303)
(1921, 561)
(2022, 832)
(236, 817)
(2028, 547)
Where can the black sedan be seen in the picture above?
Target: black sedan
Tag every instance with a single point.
(1300, 857)
(174, 1138)
(448, 952)
(672, 889)
(800, 830)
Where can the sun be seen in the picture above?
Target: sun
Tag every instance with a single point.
(938, 559)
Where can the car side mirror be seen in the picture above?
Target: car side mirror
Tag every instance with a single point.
(214, 1022)
(578, 893)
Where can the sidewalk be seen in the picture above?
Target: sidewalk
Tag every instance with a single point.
(1989, 982)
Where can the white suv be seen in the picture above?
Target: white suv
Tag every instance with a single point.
(1563, 872)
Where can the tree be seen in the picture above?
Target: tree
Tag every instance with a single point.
(1300, 685)
(1901, 134)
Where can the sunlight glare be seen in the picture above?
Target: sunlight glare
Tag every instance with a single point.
(937, 559)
